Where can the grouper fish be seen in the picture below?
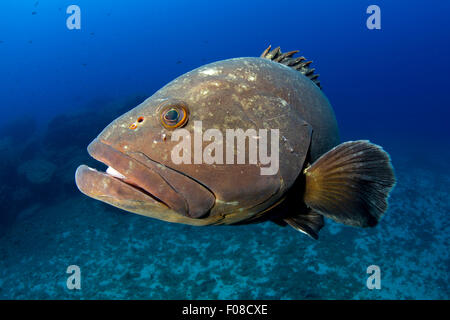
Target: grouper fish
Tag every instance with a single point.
(316, 176)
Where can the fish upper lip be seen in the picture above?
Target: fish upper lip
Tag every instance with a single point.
(176, 191)
(122, 178)
(139, 189)
(138, 176)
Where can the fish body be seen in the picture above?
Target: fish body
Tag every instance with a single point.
(274, 93)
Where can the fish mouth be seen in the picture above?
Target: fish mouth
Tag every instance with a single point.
(136, 183)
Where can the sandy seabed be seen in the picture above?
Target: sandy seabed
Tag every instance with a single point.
(125, 256)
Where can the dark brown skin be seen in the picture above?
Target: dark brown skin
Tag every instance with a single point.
(237, 93)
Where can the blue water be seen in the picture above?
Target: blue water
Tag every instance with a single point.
(60, 87)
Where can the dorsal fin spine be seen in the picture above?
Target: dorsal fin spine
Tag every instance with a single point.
(299, 64)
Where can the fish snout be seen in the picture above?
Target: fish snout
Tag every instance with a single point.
(136, 183)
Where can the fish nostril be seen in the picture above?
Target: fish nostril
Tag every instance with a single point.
(135, 124)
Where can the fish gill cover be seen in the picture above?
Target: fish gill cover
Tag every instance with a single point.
(61, 87)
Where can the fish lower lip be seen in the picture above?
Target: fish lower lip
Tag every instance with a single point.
(102, 186)
(138, 176)
(130, 171)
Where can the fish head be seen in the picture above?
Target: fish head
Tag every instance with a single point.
(139, 149)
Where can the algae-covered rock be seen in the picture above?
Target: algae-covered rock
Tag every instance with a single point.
(37, 171)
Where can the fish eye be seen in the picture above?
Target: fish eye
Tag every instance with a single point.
(174, 116)
(171, 115)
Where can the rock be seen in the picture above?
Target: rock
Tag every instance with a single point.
(37, 171)
(28, 212)
(21, 194)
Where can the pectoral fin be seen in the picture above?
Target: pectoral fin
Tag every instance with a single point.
(350, 183)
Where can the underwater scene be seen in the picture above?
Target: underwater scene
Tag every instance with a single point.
(70, 69)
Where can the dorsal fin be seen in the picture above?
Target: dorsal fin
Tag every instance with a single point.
(299, 64)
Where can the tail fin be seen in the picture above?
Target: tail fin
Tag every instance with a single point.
(350, 183)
